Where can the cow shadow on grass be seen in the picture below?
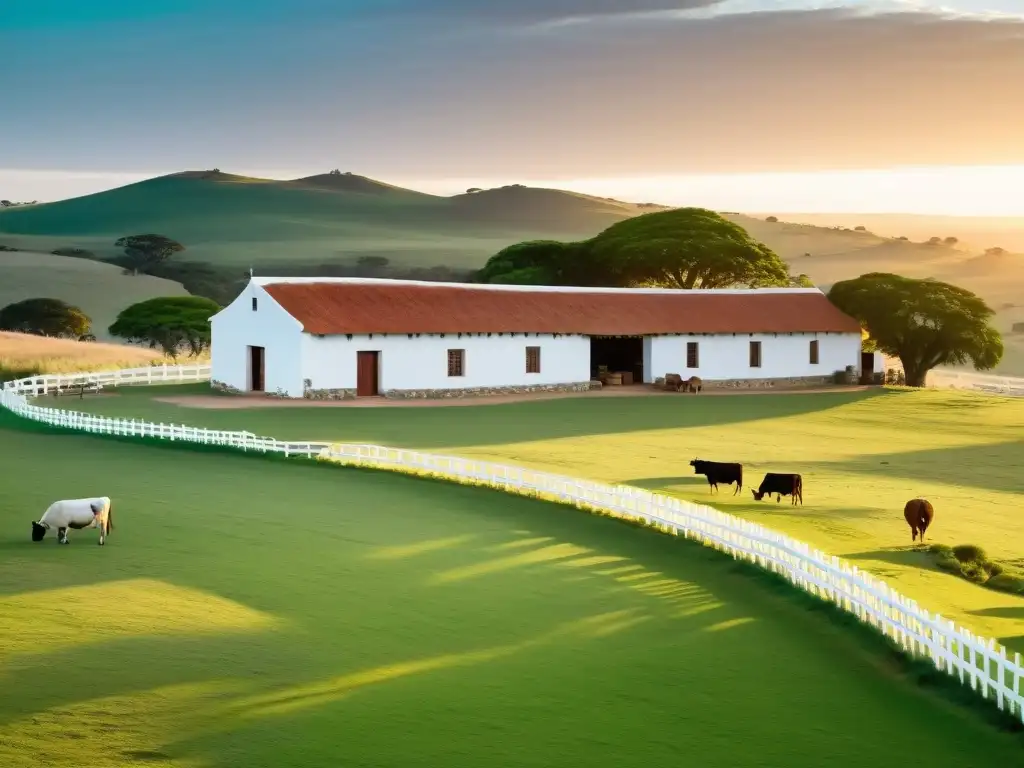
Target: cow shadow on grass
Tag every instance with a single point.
(694, 489)
(660, 484)
(910, 556)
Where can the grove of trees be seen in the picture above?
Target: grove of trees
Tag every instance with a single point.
(45, 317)
(925, 323)
(145, 252)
(682, 248)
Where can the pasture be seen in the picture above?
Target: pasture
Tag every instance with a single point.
(265, 613)
(862, 455)
(24, 355)
(100, 290)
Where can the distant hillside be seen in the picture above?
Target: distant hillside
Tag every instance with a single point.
(325, 223)
(225, 219)
(99, 289)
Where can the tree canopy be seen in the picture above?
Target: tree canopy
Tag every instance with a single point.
(45, 317)
(686, 248)
(539, 262)
(175, 324)
(680, 248)
(143, 252)
(925, 323)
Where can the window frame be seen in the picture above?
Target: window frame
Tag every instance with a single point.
(693, 346)
(456, 363)
(755, 360)
(533, 355)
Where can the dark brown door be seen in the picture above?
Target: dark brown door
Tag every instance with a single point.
(867, 367)
(366, 374)
(257, 368)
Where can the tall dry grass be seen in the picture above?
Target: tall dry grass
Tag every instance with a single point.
(26, 355)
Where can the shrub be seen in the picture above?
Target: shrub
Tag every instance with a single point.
(772, 219)
(969, 553)
(1007, 582)
(77, 253)
(971, 562)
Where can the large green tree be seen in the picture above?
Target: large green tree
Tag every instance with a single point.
(144, 252)
(539, 262)
(45, 317)
(925, 323)
(685, 248)
(175, 324)
(680, 248)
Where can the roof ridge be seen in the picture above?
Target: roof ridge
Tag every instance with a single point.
(399, 307)
(512, 288)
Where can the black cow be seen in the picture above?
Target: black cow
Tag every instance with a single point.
(781, 485)
(717, 472)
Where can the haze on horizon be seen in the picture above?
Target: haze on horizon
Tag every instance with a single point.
(783, 105)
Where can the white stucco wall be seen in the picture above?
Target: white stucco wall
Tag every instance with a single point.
(235, 328)
(728, 356)
(422, 362)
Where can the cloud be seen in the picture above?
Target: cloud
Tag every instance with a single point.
(719, 89)
(534, 11)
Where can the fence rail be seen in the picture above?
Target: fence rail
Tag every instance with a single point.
(34, 386)
(1008, 386)
(976, 661)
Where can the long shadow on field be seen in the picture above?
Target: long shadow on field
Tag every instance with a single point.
(909, 556)
(479, 425)
(995, 466)
(1002, 612)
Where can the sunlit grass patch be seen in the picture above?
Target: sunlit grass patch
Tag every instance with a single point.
(51, 620)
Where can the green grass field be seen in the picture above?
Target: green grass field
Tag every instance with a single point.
(260, 613)
(862, 455)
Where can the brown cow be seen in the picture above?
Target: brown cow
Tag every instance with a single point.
(692, 384)
(918, 513)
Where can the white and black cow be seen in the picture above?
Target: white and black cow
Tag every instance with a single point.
(77, 514)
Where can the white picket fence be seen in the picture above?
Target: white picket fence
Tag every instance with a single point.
(1008, 386)
(149, 375)
(977, 662)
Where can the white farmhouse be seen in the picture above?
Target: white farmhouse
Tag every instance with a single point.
(334, 338)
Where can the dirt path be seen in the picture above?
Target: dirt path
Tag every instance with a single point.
(228, 402)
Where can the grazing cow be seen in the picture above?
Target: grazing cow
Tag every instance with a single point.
(717, 472)
(781, 485)
(77, 514)
(918, 514)
(692, 384)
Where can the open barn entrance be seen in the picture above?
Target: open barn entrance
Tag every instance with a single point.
(611, 355)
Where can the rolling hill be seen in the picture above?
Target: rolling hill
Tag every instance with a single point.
(234, 220)
(100, 290)
(230, 223)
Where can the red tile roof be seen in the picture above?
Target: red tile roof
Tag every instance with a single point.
(358, 308)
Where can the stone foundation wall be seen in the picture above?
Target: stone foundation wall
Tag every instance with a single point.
(220, 386)
(440, 394)
(796, 381)
(329, 394)
(783, 383)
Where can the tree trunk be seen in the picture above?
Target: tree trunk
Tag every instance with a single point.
(915, 375)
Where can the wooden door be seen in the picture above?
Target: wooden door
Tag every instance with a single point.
(257, 369)
(867, 367)
(367, 369)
